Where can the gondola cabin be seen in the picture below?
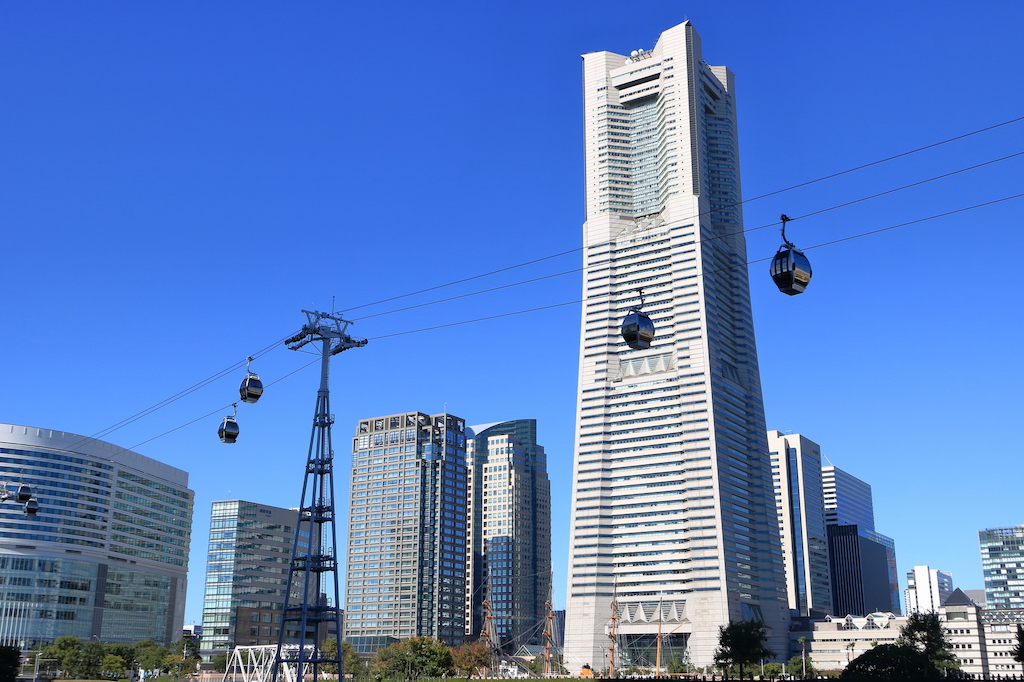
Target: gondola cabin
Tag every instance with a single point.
(31, 508)
(251, 388)
(638, 330)
(228, 431)
(24, 493)
(791, 271)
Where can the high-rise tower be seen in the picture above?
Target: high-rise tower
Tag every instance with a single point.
(1002, 550)
(406, 573)
(509, 552)
(862, 561)
(673, 515)
(796, 471)
(927, 589)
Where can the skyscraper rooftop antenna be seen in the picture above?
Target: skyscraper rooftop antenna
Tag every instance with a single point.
(311, 566)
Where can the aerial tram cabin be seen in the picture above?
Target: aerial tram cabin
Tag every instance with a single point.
(790, 269)
(637, 329)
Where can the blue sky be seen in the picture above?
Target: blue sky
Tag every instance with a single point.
(178, 180)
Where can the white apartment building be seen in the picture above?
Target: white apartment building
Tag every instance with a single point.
(673, 525)
(927, 589)
(796, 474)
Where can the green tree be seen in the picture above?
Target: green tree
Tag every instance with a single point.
(1018, 650)
(773, 669)
(91, 660)
(65, 652)
(803, 654)
(468, 658)
(924, 632)
(124, 651)
(10, 663)
(892, 662)
(796, 666)
(185, 646)
(329, 649)
(742, 644)
(355, 665)
(414, 657)
(675, 666)
(113, 665)
(151, 656)
(180, 666)
(220, 662)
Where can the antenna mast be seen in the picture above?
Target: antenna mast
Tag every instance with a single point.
(547, 637)
(611, 636)
(311, 565)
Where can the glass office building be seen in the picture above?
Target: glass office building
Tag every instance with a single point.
(1002, 562)
(247, 575)
(862, 561)
(107, 554)
(509, 554)
(796, 474)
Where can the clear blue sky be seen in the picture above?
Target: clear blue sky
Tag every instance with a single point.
(178, 180)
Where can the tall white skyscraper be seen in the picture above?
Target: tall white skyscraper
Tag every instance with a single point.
(927, 589)
(796, 471)
(673, 526)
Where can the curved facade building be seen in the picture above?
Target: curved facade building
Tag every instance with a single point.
(107, 553)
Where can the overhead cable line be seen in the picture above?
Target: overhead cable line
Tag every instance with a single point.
(220, 409)
(698, 241)
(178, 396)
(236, 366)
(710, 272)
(568, 303)
(734, 204)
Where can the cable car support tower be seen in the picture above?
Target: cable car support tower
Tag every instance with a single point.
(310, 566)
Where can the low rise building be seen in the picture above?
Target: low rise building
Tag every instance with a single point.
(106, 553)
(981, 639)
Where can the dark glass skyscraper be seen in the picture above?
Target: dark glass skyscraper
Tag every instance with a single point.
(509, 553)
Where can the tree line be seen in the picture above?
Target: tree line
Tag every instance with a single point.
(93, 660)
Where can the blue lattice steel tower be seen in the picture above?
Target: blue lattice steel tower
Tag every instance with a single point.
(310, 566)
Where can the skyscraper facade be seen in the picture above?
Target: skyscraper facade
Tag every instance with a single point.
(1002, 562)
(406, 572)
(673, 525)
(862, 561)
(927, 589)
(247, 575)
(847, 499)
(862, 564)
(509, 552)
(106, 556)
(796, 473)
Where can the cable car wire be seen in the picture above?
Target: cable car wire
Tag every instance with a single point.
(567, 303)
(698, 241)
(228, 370)
(734, 204)
(709, 272)
(219, 409)
(178, 396)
